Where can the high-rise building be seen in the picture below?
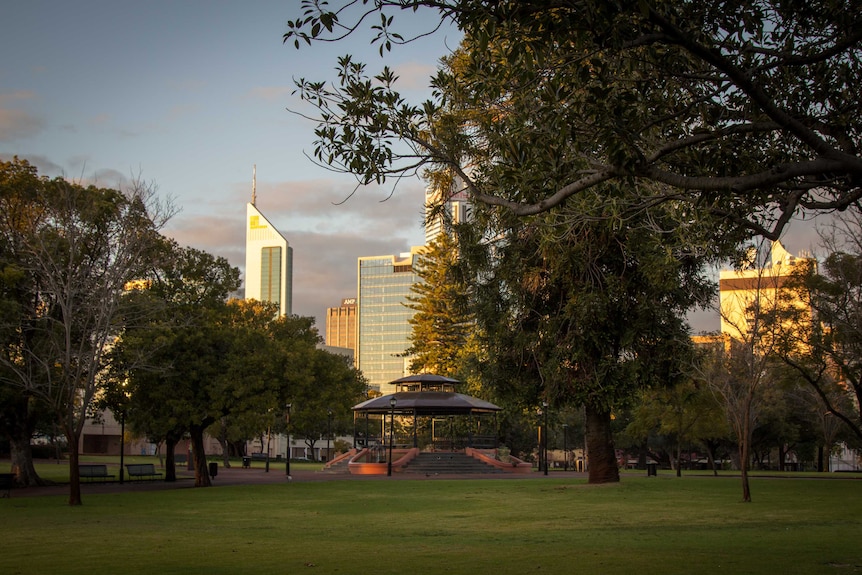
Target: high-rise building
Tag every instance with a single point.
(383, 317)
(747, 296)
(454, 211)
(341, 324)
(268, 260)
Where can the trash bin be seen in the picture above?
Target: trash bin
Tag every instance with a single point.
(213, 469)
(246, 462)
(650, 469)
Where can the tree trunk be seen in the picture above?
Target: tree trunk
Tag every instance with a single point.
(202, 476)
(679, 458)
(710, 456)
(18, 428)
(603, 466)
(74, 477)
(745, 456)
(22, 462)
(170, 459)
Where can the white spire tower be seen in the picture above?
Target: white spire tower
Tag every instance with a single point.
(268, 258)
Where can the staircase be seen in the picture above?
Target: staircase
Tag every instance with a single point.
(448, 463)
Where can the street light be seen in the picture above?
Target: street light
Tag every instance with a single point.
(545, 436)
(328, 432)
(122, 440)
(392, 402)
(287, 458)
(123, 434)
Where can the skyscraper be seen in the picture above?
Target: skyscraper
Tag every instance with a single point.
(383, 317)
(456, 209)
(341, 324)
(748, 296)
(268, 260)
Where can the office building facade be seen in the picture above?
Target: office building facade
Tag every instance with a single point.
(268, 262)
(383, 327)
(341, 324)
(455, 209)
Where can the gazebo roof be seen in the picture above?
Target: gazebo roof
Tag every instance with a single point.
(425, 378)
(427, 403)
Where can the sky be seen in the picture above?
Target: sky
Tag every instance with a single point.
(189, 95)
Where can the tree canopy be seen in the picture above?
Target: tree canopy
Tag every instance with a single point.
(69, 253)
(746, 110)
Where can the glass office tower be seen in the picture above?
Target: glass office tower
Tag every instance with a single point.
(383, 317)
(268, 262)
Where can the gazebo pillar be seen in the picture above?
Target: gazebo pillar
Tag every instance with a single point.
(415, 431)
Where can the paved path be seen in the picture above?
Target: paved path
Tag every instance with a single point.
(257, 476)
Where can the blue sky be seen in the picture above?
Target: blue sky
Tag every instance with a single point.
(189, 95)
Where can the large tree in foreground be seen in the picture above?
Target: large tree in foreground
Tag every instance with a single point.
(79, 247)
(588, 266)
(585, 315)
(747, 110)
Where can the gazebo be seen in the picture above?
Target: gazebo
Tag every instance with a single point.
(434, 417)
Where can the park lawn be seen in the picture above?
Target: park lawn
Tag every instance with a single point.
(538, 525)
(58, 471)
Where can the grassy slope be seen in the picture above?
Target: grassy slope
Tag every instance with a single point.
(552, 525)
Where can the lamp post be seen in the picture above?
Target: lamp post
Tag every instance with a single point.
(328, 432)
(287, 457)
(566, 446)
(392, 402)
(122, 441)
(545, 436)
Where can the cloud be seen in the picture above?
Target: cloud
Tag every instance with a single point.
(270, 93)
(327, 239)
(17, 124)
(414, 76)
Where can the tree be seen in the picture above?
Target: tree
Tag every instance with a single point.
(684, 413)
(443, 322)
(330, 387)
(167, 364)
(18, 181)
(745, 110)
(719, 112)
(78, 247)
(741, 371)
(821, 338)
(584, 315)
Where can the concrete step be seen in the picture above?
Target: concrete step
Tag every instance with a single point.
(449, 464)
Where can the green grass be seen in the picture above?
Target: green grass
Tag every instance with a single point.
(58, 471)
(538, 525)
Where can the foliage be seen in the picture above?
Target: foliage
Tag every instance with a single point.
(748, 111)
(443, 323)
(684, 413)
(162, 368)
(822, 338)
(74, 249)
(584, 314)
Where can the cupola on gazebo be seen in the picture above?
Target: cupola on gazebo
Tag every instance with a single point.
(425, 413)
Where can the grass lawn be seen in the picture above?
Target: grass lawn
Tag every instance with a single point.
(539, 525)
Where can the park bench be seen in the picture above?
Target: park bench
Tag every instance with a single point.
(7, 482)
(93, 471)
(142, 471)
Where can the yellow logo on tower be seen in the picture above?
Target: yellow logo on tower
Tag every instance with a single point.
(254, 223)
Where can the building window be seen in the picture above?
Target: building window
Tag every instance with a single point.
(270, 275)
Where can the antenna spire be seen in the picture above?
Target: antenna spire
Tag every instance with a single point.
(254, 184)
